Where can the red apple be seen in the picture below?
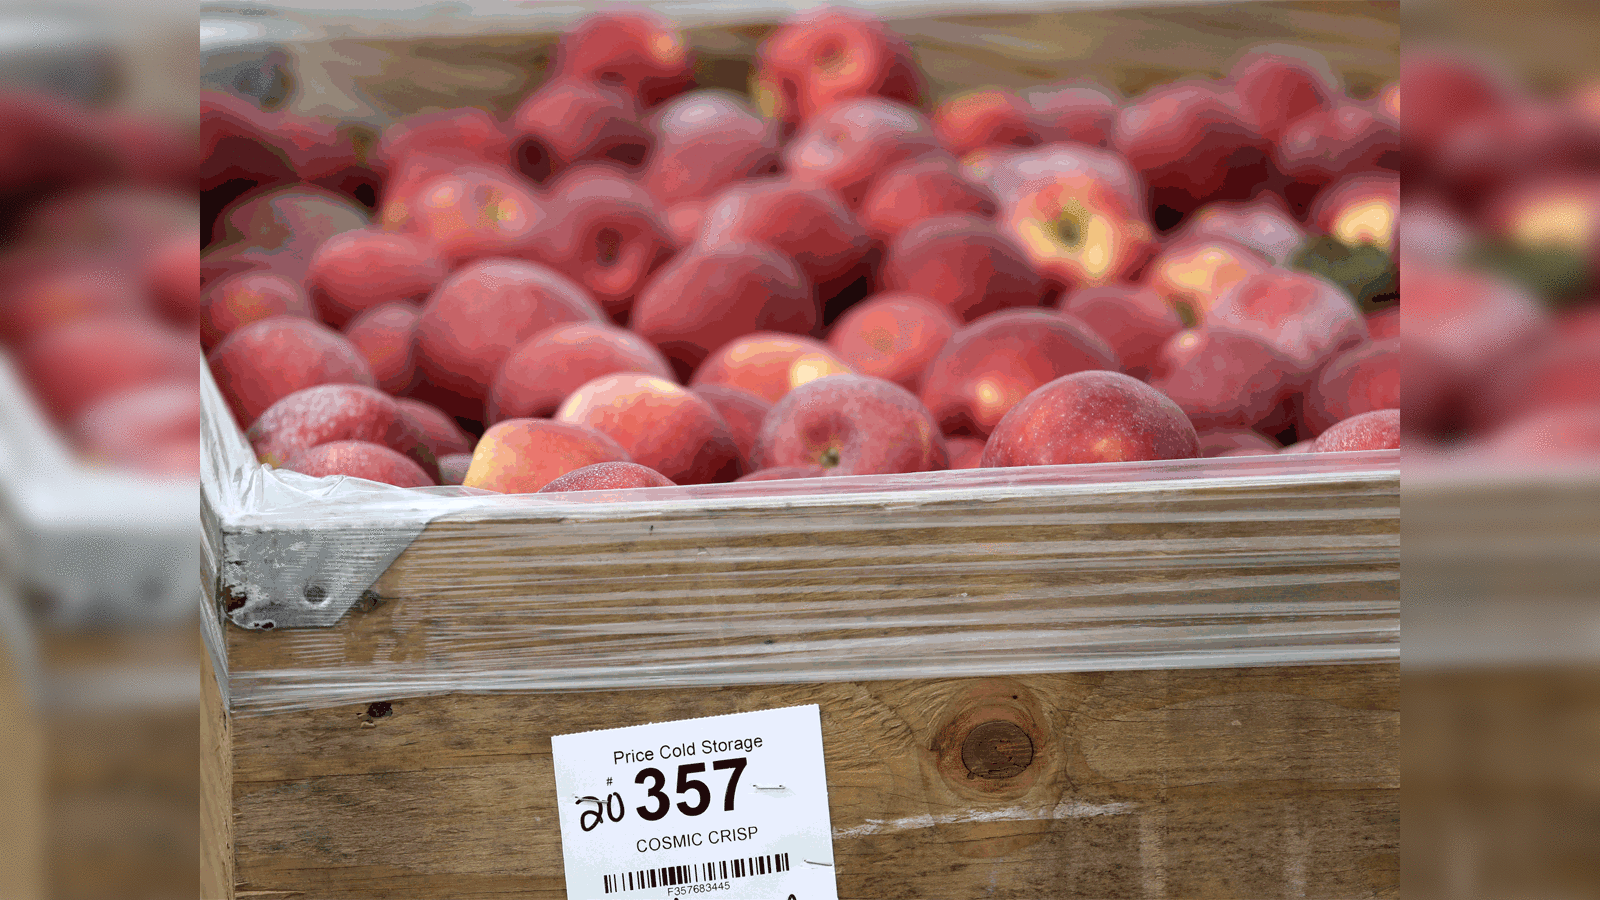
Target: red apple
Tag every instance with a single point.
(810, 224)
(237, 143)
(359, 459)
(1361, 380)
(478, 315)
(470, 214)
(1090, 417)
(1133, 319)
(1227, 379)
(1385, 323)
(743, 411)
(336, 412)
(440, 433)
(706, 140)
(465, 135)
(358, 270)
(547, 367)
(1013, 173)
(1236, 443)
(47, 292)
(412, 172)
(1462, 331)
(893, 336)
(1562, 374)
(606, 234)
(922, 189)
(1081, 113)
(520, 456)
(124, 221)
(1376, 430)
(845, 146)
(1360, 209)
(964, 264)
(684, 221)
(611, 476)
(986, 117)
(708, 297)
(769, 364)
(248, 297)
(990, 365)
(1278, 86)
(1307, 318)
(659, 424)
(1549, 214)
(567, 121)
(965, 452)
(1332, 144)
(1499, 148)
(828, 54)
(102, 249)
(263, 362)
(138, 428)
(1551, 436)
(1192, 146)
(1264, 224)
(851, 425)
(1077, 226)
(1447, 89)
(1427, 227)
(285, 226)
(387, 336)
(1192, 273)
(631, 49)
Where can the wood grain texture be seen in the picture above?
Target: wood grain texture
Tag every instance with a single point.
(22, 783)
(1502, 790)
(120, 728)
(216, 784)
(1224, 783)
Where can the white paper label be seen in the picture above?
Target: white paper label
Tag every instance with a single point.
(725, 807)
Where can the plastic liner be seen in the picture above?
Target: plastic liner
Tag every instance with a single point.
(374, 592)
(97, 546)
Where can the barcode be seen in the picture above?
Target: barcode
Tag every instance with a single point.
(694, 873)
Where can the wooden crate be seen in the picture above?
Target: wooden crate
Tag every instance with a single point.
(404, 750)
(1173, 680)
(120, 722)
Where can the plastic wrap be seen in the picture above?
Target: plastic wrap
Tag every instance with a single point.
(1192, 563)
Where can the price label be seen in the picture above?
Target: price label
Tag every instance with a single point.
(727, 807)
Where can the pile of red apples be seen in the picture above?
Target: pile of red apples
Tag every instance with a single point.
(1502, 267)
(98, 302)
(634, 282)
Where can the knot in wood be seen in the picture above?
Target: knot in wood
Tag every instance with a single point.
(997, 749)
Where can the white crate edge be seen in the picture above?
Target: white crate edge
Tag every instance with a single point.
(102, 548)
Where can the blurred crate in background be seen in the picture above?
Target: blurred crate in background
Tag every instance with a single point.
(100, 699)
(1502, 561)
